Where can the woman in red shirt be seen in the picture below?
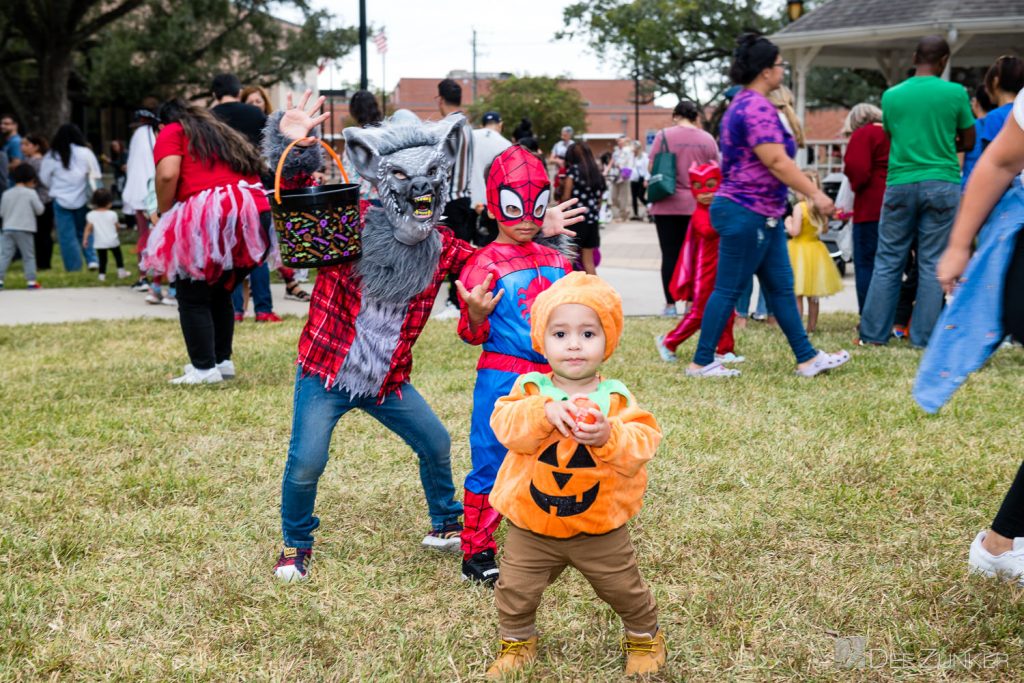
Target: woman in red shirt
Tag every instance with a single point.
(866, 165)
(214, 228)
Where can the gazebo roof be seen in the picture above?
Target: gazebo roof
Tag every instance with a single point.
(860, 33)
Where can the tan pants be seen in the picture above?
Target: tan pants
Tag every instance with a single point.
(622, 196)
(530, 563)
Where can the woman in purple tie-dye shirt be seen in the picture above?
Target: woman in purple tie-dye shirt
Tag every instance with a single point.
(757, 166)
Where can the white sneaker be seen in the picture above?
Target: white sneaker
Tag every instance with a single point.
(450, 312)
(123, 274)
(663, 351)
(102, 277)
(226, 368)
(729, 358)
(168, 301)
(1008, 565)
(823, 362)
(194, 376)
(670, 311)
(153, 298)
(93, 265)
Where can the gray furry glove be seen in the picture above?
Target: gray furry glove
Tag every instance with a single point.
(300, 161)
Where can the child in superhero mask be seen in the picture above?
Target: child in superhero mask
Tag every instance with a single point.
(568, 485)
(694, 279)
(497, 288)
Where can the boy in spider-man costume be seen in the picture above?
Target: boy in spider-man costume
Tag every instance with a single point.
(698, 264)
(497, 287)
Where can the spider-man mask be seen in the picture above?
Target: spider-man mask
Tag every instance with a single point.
(518, 188)
(705, 178)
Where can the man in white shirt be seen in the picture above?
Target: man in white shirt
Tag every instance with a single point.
(488, 143)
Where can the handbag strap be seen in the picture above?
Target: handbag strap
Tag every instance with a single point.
(664, 141)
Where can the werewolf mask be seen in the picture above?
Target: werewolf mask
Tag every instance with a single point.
(409, 164)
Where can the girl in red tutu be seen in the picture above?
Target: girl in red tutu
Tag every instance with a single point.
(214, 228)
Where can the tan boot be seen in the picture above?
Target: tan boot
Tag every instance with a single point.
(644, 655)
(514, 655)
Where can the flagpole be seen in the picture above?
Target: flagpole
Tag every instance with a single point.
(383, 84)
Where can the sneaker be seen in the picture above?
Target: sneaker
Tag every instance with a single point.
(226, 368)
(644, 654)
(900, 331)
(450, 312)
(239, 317)
(123, 274)
(729, 358)
(481, 568)
(666, 355)
(168, 300)
(448, 538)
(93, 265)
(196, 376)
(670, 311)
(153, 298)
(30, 285)
(514, 655)
(140, 285)
(102, 277)
(268, 318)
(1008, 565)
(715, 369)
(823, 362)
(293, 564)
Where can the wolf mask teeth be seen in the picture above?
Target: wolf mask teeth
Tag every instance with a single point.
(409, 164)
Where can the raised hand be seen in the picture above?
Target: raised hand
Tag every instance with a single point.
(298, 121)
(480, 301)
(561, 215)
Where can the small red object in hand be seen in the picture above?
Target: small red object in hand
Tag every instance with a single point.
(583, 405)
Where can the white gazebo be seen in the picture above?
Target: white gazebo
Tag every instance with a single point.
(882, 34)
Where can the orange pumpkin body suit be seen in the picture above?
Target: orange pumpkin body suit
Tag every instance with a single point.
(552, 485)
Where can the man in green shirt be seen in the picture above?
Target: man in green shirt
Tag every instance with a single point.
(928, 121)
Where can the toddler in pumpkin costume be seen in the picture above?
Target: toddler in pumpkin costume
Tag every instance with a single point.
(574, 474)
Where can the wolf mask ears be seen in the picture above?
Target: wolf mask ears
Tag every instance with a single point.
(365, 146)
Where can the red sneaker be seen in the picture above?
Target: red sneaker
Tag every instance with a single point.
(239, 317)
(268, 318)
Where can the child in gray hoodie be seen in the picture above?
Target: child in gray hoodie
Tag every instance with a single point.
(19, 207)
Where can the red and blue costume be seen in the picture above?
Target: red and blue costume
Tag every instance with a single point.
(517, 190)
(694, 279)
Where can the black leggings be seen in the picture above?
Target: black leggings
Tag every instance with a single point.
(207, 321)
(671, 233)
(1009, 520)
(101, 255)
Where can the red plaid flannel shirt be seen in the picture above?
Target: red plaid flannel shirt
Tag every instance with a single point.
(334, 305)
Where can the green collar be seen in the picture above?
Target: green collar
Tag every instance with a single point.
(602, 395)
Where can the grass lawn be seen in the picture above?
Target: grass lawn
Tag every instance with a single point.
(139, 523)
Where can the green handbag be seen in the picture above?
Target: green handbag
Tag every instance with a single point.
(662, 182)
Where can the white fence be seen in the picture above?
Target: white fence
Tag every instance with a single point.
(826, 156)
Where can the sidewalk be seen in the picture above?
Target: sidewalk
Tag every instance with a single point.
(630, 261)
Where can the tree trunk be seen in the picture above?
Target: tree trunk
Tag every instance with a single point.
(53, 109)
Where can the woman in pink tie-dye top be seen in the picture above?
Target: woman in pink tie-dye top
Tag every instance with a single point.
(757, 166)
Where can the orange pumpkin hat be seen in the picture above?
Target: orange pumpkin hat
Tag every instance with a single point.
(579, 288)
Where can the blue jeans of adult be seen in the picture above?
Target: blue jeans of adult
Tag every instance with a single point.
(750, 244)
(925, 210)
(70, 229)
(259, 288)
(317, 410)
(865, 245)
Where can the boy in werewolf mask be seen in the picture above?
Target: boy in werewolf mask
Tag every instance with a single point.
(356, 348)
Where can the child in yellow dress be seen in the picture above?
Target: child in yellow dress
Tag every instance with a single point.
(814, 273)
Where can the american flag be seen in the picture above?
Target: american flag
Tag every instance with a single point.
(381, 41)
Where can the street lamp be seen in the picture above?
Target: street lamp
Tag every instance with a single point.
(795, 9)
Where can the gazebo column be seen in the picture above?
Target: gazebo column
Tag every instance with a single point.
(802, 60)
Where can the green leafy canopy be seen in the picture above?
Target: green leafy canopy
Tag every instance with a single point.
(547, 102)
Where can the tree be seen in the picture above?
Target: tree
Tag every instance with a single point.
(677, 46)
(831, 87)
(547, 102)
(109, 51)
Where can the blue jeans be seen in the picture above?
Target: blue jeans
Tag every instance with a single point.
(865, 245)
(317, 410)
(924, 210)
(259, 288)
(743, 303)
(70, 229)
(747, 245)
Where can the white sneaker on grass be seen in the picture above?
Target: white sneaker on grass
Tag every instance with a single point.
(666, 354)
(1008, 565)
(196, 376)
(226, 368)
(823, 362)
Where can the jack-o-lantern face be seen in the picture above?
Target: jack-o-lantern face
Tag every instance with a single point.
(567, 504)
